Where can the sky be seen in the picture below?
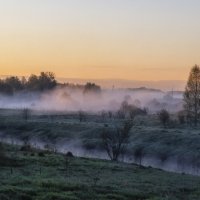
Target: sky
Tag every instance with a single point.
(100, 39)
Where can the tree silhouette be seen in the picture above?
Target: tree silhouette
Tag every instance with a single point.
(32, 83)
(115, 140)
(92, 88)
(45, 81)
(192, 95)
(14, 82)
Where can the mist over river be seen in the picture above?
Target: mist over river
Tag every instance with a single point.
(172, 164)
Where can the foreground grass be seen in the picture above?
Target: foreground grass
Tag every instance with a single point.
(46, 176)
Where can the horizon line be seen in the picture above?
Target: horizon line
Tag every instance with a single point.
(100, 79)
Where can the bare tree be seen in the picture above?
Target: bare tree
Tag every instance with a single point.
(192, 95)
(116, 139)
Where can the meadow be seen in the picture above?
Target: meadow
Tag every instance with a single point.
(31, 174)
(174, 148)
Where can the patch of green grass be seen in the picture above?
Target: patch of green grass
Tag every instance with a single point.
(48, 178)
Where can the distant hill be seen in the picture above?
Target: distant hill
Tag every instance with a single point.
(140, 89)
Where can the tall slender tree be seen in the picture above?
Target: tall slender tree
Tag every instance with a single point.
(192, 95)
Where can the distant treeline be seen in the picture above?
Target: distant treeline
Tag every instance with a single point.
(88, 87)
(45, 81)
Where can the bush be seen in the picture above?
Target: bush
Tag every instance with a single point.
(26, 148)
(69, 154)
(164, 117)
(41, 154)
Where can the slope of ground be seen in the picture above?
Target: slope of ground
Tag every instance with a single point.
(34, 175)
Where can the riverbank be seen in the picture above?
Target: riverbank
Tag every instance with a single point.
(35, 174)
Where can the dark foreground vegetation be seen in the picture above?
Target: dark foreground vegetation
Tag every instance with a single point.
(30, 174)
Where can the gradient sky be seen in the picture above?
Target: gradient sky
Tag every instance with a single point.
(126, 39)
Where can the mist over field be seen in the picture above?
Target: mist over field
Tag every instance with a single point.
(72, 100)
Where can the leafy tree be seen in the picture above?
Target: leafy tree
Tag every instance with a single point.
(115, 140)
(10, 85)
(33, 83)
(5, 88)
(46, 81)
(23, 82)
(92, 88)
(14, 82)
(192, 95)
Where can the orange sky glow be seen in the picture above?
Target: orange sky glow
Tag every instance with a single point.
(121, 39)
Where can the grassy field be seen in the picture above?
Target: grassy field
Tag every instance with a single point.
(36, 175)
(148, 136)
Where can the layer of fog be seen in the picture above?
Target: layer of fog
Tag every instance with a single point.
(68, 99)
